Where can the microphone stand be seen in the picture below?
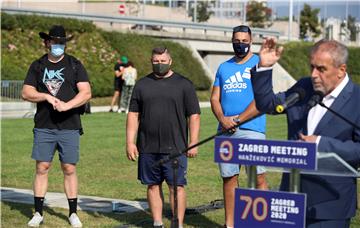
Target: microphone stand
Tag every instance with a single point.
(340, 116)
(175, 166)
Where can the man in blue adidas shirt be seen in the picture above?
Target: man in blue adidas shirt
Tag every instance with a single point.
(231, 95)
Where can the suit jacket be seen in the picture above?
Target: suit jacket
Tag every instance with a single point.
(328, 197)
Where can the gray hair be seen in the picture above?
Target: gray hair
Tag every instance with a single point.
(338, 52)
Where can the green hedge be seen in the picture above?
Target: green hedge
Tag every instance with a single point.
(97, 50)
(35, 22)
(295, 60)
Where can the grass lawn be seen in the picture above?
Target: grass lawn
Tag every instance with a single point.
(105, 171)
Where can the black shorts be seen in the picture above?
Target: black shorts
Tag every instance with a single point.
(155, 175)
(118, 83)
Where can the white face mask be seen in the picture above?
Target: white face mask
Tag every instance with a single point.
(57, 50)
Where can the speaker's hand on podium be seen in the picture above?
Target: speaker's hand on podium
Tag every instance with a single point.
(308, 138)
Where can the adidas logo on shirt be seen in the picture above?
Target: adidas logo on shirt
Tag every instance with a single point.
(237, 81)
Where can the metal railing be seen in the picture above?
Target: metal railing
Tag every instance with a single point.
(141, 22)
(11, 90)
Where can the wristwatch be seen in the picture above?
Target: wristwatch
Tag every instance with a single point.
(236, 120)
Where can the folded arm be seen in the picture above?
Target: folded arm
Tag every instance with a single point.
(29, 93)
(80, 99)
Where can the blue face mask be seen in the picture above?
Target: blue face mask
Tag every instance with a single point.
(241, 49)
(57, 50)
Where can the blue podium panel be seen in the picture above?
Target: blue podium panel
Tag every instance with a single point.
(285, 154)
(268, 209)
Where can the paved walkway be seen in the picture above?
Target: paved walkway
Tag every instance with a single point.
(23, 109)
(203, 104)
(85, 203)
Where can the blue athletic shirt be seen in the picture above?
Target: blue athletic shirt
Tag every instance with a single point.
(236, 90)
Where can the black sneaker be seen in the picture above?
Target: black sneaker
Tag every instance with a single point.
(111, 110)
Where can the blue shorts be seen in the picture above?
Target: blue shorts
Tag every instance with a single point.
(155, 175)
(229, 170)
(46, 141)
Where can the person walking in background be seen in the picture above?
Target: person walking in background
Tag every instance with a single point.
(118, 81)
(231, 95)
(163, 107)
(129, 75)
(59, 84)
(331, 201)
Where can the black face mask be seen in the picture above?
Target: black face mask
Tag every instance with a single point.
(161, 69)
(241, 49)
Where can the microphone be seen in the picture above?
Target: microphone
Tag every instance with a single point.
(297, 95)
(315, 99)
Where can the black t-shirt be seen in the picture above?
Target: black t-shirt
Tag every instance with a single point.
(118, 66)
(163, 106)
(58, 79)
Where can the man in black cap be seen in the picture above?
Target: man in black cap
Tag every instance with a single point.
(59, 84)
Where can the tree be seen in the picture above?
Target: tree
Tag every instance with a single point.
(258, 14)
(352, 27)
(309, 24)
(202, 11)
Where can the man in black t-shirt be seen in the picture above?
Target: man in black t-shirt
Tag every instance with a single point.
(162, 108)
(118, 81)
(59, 84)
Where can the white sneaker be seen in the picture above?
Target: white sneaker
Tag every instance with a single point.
(74, 220)
(36, 220)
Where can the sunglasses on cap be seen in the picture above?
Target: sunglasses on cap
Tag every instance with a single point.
(242, 28)
(58, 40)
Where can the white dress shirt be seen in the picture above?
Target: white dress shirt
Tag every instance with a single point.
(317, 112)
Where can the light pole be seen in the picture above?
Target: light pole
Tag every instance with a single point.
(195, 11)
(290, 19)
(244, 14)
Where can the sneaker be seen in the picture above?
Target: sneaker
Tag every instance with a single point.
(36, 220)
(121, 110)
(111, 110)
(74, 220)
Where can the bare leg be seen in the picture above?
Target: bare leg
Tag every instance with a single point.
(155, 200)
(181, 197)
(261, 182)
(229, 185)
(41, 178)
(70, 180)
(115, 97)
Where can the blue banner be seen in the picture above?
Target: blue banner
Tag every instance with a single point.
(268, 209)
(286, 154)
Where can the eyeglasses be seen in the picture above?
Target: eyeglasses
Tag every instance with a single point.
(242, 28)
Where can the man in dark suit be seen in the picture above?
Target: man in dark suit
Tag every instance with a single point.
(331, 200)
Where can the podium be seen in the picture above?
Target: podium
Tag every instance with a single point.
(331, 164)
(270, 209)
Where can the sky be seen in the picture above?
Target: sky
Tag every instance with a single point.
(329, 8)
